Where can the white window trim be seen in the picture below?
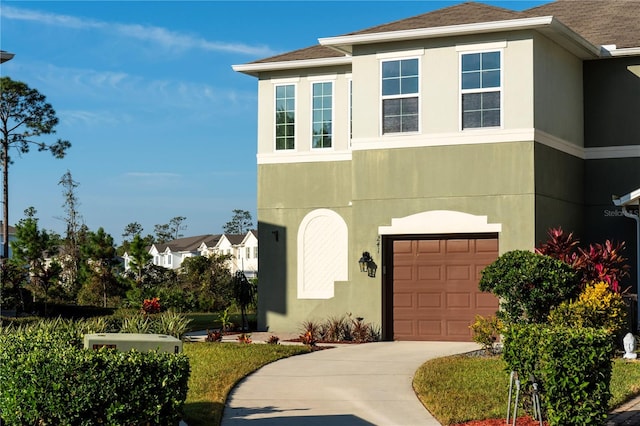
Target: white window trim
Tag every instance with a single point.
(350, 110)
(392, 58)
(333, 115)
(462, 52)
(277, 84)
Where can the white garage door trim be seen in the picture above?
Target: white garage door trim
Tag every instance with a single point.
(440, 222)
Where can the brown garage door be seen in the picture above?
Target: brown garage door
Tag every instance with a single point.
(435, 287)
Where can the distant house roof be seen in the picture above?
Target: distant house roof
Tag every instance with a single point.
(615, 22)
(5, 56)
(235, 239)
(188, 243)
(12, 230)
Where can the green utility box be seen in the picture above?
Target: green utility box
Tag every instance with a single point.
(140, 342)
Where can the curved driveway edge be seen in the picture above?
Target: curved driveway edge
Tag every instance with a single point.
(366, 384)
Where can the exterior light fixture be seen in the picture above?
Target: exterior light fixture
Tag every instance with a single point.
(363, 261)
(367, 264)
(371, 268)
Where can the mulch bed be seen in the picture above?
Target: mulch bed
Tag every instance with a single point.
(520, 421)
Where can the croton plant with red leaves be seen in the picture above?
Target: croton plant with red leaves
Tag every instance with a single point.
(598, 262)
(151, 306)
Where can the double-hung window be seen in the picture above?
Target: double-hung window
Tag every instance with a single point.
(322, 114)
(481, 87)
(285, 116)
(400, 99)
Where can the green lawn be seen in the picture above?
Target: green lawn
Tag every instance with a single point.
(459, 389)
(217, 367)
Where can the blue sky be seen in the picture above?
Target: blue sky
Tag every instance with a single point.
(160, 124)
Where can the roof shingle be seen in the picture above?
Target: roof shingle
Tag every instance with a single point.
(601, 22)
(464, 13)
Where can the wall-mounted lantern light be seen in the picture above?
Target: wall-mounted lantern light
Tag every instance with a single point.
(367, 264)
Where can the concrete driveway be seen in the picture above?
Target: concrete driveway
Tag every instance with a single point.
(368, 384)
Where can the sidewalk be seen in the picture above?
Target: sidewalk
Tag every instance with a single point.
(627, 414)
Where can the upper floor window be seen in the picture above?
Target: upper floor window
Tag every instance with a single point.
(285, 116)
(248, 252)
(481, 82)
(322, 98)
(400, 81)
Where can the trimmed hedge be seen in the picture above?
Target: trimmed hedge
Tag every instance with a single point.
(529, 285)
(46, 379)
(573, 366)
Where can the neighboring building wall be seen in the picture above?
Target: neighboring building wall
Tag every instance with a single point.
(612, 135)
(559, 124)
(559, 189)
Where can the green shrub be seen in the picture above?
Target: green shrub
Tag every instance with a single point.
(529, 285)
(597, 306)
(573, 366)
(48, 381)
(576, 369)
(485, 331)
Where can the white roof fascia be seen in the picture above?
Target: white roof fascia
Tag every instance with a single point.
(629, 199)
(629, 51)
(553, 26)
(254, 68)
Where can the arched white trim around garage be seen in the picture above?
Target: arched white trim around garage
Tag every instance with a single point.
(439, 222)
(322, 254)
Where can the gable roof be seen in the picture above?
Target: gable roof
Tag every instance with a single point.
(594, 22)
(313, 52)
(601, 22)
(464, 13)
(235, 239)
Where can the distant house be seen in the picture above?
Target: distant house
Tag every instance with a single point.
(243, 249)
(248, 254)
(171, 254)
(12, 237)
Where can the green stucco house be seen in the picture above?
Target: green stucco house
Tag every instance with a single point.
(436, 143)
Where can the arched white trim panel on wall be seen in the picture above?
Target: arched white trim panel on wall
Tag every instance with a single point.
(439, 222)
(323, 246)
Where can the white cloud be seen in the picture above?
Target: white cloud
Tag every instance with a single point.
(91, 118)
(162, 37)
(110, 89)
(19, 14)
